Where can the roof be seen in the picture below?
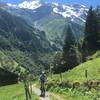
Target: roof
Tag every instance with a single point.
(6, 72)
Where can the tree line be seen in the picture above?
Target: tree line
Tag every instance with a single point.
(76, 51)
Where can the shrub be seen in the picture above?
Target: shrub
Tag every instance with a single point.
(76, 84)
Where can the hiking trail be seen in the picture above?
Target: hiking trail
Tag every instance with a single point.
(48, 96)
(37, 91)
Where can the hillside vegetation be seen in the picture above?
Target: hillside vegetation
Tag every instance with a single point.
(21, 44)
(54, 29)
(78, 73)
(14, 92)
(73, 85)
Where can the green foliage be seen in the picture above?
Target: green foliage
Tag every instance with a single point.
(14, 92)
(54, 28)
(21, 43)
(26, 78)
(73, 57)
(79, 93)
(7, 62)
(96, 55)
(71, 53)
(74, 85)
(78, 73)
(4, 43)
(91, 41)
(69, 39)
(58, 63)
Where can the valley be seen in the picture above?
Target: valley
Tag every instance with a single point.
(49, 51)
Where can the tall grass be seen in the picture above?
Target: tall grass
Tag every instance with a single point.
(85, 88)
(14, 92)
(78, 73)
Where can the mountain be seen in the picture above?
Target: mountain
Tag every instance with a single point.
(30, 4)
(20, 35)
(20, 43)
(73, 12)
(51, 17)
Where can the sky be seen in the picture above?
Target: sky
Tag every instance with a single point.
(83, 2)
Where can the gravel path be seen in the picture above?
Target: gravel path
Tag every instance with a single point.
(38, 92)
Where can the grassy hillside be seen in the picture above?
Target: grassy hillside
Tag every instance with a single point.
(78, 73)
(13, 92)
(75, 86)
(55, 27)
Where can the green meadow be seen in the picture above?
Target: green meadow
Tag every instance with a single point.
(14, 92)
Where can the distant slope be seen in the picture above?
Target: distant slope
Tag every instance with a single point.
(54, 29)
(20, 43)
(9, 64)
(52, 17)
(15, 31)
(78, 73)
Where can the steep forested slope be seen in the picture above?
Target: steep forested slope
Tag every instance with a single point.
(21, 42)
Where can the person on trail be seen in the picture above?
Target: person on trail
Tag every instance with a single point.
(42, 83)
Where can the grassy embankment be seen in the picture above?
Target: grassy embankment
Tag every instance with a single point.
(75, 86)
(14, 92)
(78, 73)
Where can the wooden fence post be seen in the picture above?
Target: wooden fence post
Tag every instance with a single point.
(86, 74)
(61, 76)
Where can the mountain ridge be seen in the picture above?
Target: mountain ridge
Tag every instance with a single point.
(20, 32)
(65, 10)
(50, 13)
(21, 42)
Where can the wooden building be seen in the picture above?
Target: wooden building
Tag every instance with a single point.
(7, 78)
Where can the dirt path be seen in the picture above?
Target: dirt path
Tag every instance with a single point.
(56, 96)
(49, 96)
(38, 92)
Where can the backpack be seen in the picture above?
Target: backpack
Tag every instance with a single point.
(42, 78)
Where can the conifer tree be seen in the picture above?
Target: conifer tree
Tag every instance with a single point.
(71, 53)
(91, 37)
(69, 39)
(98, 16)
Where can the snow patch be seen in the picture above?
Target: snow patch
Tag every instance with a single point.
(71, 12)
(56, 4)
(11, 5)
(83, 6)
(30, 4)
(55, 10)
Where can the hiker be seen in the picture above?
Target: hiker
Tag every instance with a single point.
(42, 83)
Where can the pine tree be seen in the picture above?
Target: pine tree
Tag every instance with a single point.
(90, 43)
(98, 16)
(73, 57)
(58, 63)
(69, 39)
(71, 53)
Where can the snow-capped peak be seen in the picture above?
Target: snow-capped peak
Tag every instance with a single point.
(11, 5)
(71, 11)
(30, 4)
(74, 12)
(54, 3)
